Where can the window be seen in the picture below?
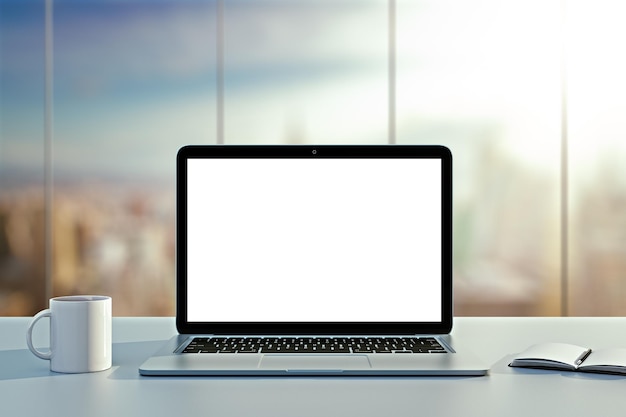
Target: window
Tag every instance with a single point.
(528, 95)
(473, 77)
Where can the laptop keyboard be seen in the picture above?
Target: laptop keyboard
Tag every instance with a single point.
(314, 345)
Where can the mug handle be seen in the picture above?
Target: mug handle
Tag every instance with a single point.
(29, 335)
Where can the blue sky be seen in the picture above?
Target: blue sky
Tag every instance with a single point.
(110, 59)
(140, 76)
(135, 80)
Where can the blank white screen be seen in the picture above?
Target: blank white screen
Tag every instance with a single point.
(314, 240)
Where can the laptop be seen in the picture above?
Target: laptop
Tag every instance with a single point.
(314, 260)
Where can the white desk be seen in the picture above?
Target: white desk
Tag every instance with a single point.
(28, 388)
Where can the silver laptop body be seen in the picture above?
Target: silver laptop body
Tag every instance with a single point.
(293, 245)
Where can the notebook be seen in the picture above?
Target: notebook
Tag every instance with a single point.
(314, 260)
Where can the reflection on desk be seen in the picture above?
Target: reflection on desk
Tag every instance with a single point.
(27, 387)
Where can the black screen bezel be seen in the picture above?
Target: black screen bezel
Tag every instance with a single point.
(309, 151)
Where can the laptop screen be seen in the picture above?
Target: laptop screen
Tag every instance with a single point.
(312, 235)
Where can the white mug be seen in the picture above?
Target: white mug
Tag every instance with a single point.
(80, 333)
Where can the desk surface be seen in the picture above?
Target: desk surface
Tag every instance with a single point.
(28, 388)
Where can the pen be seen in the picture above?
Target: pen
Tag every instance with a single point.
(583, 356)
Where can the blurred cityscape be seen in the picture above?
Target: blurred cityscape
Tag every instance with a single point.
(106, 239)
(118, 239)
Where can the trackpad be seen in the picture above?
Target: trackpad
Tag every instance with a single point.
(302, 362)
